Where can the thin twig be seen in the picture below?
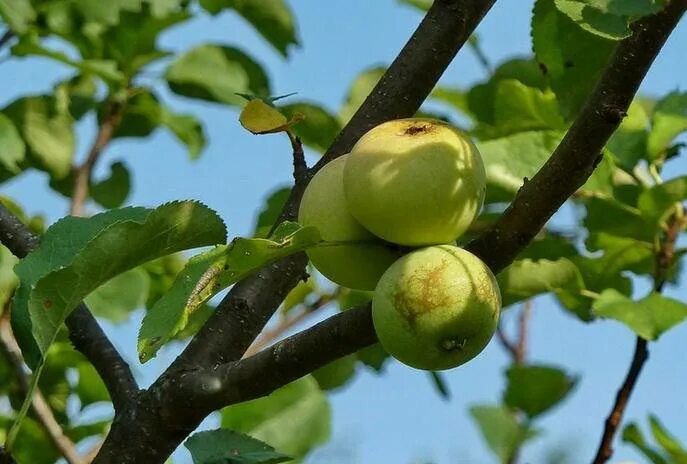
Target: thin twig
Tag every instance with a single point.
(507, 344)
(82, 173)
(664, 260)
(84, 331)
(286, 323)
(523, 333)
(301, 174)
(41, 408)
(6, 37)
(517, 349)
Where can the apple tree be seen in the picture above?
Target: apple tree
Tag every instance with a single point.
(562, 126)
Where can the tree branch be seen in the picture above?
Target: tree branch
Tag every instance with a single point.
(578, 154)
(284, 362)
(41, 408)
(84, 331)
(82, 173)
(664, 261)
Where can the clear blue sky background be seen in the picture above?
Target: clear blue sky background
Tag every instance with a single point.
(395, 418)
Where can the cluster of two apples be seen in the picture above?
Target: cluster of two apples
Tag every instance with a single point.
(396, 205)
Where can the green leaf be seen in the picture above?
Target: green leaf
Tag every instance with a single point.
(133, 42)
(77, 255)
(519, 108)
(482, 97)
(439, 383)
(360, 88)
(336, 374)
(571, 58)
(118, 297)
(318, 129)
(509, 160)
(422, 5)
(298, 294)
(269, 213)
(18, 14)
(607, 18)
(12, 147)
(374, 357)
(8, 280)
(171, 313)
(273, 19)
(48, 134)
(224, 446)
(632, 434)
(106, 13)
(294, 419)
(616, 218)
(629, 142)
(526, 278)
(501, 430)
(90, 387)
(113, 191)
(649, 317)
(77, 95)
(209, 273)
(453, 97)
(187, 129)
(668, 121)
(105, 69)
(217, 73)
(142, 115)
(659, 200)
(536, 389)
(622, 253)
(668, 442)
(259, 117)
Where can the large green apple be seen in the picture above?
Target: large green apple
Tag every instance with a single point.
(359, 265)
(415, 182)
(436, 308)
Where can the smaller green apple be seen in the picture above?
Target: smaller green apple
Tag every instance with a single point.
(436, 308)
(323, 205)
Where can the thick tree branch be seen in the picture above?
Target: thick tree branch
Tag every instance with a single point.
(82, 173)
(575, 158)
(41, 408)
(284, 362)
(569, 166)
(664, 261)
(84, 331)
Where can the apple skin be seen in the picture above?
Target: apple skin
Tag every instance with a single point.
(415, 181)
(436, 308)
(324, 206)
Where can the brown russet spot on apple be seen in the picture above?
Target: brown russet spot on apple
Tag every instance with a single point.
(412, 304)
(419, 128)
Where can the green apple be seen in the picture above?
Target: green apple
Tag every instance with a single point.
(415, 182)
(358, 265)
(436, 308)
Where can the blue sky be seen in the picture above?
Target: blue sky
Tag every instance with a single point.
(395, 418)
